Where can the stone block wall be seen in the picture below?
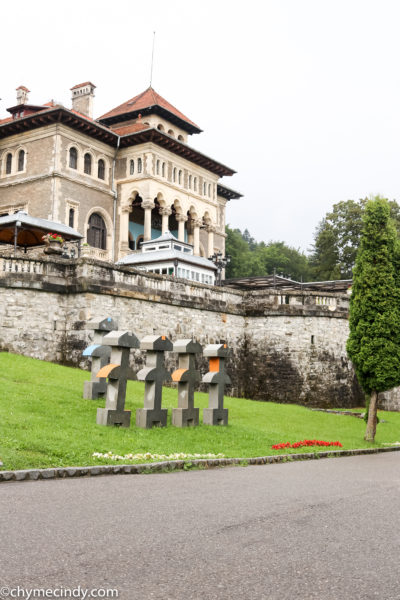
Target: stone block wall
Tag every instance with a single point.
(284, 348)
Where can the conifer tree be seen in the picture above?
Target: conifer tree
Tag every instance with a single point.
(374, 341)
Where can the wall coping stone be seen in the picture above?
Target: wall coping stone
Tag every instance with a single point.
(90, 275)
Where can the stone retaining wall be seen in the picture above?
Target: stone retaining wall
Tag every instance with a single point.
(287, 348)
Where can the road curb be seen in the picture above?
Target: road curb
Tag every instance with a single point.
(176, 465)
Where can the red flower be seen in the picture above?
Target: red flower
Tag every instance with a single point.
(283, 445)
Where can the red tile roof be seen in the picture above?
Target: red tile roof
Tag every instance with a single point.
(130, 128)
(146, 99)
(82, 84)
(7, 120)
(22, 87)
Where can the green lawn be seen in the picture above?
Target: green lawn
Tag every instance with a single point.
(44, 422)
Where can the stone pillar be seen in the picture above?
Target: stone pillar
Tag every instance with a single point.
(165, 213)
(153, 374)
(210, 246)
(124, 229)
(147, 206)
(216, 378)
(100, 354)
(117, 372)
(181, 226)
(187, 377)
(196, 236)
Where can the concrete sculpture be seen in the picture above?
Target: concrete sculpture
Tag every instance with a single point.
(186, 376)
(216, 378)
(118, 372)
(153, 374)
(100, 355)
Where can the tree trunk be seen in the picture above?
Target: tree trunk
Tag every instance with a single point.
(372, 414)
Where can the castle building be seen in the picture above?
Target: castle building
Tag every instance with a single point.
(120, 180)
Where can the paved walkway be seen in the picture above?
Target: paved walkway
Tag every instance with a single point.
(326, 529)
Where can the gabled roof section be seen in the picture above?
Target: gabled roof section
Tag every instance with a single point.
(146, 103)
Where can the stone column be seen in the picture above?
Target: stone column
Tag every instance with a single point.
(181, 226)
(196, 236)
(147, 206)
(165, 213)
(210, 246)
(124, 230)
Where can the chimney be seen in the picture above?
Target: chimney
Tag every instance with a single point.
(82, 98)
(22, 94)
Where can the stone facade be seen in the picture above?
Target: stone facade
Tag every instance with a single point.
(112, 170)
(284, 348)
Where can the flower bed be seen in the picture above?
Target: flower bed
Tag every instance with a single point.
(149, 456)
(283, 445)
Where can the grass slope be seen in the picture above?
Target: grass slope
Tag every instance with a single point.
(44, 422)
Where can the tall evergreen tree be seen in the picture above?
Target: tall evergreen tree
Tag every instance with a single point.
(374, 341)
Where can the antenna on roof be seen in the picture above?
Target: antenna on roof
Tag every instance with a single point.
(152, 59)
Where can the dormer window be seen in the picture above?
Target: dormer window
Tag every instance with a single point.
(8, 163)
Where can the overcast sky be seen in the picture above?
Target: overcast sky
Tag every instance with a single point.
(300, 97)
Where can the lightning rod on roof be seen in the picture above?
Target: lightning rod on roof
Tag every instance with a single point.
(152, 59)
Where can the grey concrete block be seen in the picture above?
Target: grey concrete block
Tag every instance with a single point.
(148, 417)
(215, 416)
(109, 416)
(184, 417)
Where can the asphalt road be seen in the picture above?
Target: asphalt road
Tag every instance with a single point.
(327, 529)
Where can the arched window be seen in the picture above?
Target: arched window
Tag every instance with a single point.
(160, 127)
(73, 158)
(209, 190)
(181, 138)
(71, 217)
(97, 232)
(180, 177)
(195, 184)
(87, 164)
(163, 170)
(158, 167)
(8, 163)
(171, 133)
(204, 188)
(190, 182)
(174, 175)
(101, 169)
(139, 165)
(21, 160)
(131, 167)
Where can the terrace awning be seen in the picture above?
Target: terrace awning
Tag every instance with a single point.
(21, 229)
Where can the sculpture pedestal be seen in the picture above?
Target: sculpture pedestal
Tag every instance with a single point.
(215, 416)
(146, 418)
(182, 417)
(109, 416)
(94, 389)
